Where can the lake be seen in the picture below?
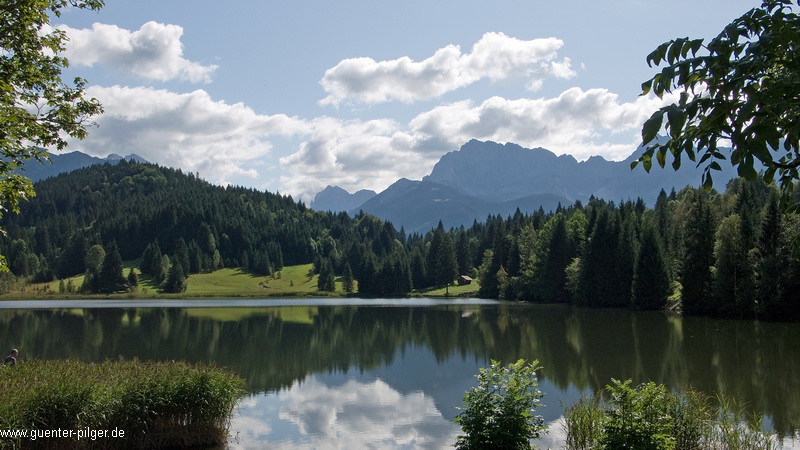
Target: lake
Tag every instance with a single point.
(388, 373)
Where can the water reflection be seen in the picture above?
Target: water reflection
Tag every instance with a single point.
(313, 414)
(323, 373)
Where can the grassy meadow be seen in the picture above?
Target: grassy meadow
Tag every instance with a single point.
(292, 281)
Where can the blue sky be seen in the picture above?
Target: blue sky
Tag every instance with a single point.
(294, 96)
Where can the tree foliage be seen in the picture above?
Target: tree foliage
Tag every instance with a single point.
(742, 87)
(582, 254)
(38, 110)
(499, 412)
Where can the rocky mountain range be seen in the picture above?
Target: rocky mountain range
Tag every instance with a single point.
(487, 178)
(67, 162)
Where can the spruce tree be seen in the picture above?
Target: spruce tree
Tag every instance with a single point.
(442, 266)
(326, 282)
(698, 258)
(349, 283)
(651, 284)
(110, 279)
(151, 260)
(550, 270)
(181, 255)
(133, 278)
(731, 266)
(176, 280)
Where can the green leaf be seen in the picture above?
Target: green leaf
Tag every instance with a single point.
(674, 51)
(661, 156)
(708, 182)
(647, 162)
(676, 118)
(697, 44)
(746, 169)
(652, 126)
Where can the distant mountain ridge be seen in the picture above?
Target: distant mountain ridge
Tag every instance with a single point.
(336, 199)
(67, 162)
(487, 178)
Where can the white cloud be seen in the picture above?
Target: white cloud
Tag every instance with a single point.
(190, 131)
(363, 415)
(373, 154)
(154, 51)
(581, 123)
(228, 142)
(354, 155)
(495, 56)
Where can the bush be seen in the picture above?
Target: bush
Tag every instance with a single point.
(155, 404)
(651, 417)
(639, 418)
(499, 412)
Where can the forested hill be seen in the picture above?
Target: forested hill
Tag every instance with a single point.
(136, 204)
(727, 254)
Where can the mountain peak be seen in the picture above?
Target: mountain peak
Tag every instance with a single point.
(336, 199)
(483, 178)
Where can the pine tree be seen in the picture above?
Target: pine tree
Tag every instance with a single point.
(176, 280)
(599, 283)
(442, 266)
(110, 279)
(550, 269)
(326, 282)
(181, 255)
(651, 284)
(349, 283)
(698, 258)
(133, 278)
(368, 283)
(731, 270)
(151, 260)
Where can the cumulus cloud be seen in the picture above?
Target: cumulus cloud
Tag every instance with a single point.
(154, 51)
(495, 56)
(364, 415)
(581, 123)
(190, 131)
(373, 154)
(352, 154)
(229, 142)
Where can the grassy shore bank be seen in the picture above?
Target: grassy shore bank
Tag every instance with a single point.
(120, 404)
(291, 281)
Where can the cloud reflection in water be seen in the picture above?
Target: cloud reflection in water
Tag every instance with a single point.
(356, 414)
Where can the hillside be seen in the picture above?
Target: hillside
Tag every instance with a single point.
(136, 204)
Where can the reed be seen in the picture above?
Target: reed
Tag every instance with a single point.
(125, 404)
(649, 416)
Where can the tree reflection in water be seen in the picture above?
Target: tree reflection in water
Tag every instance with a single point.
(421, 359)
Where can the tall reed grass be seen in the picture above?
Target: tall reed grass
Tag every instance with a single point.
(649, 416)
(155, 404)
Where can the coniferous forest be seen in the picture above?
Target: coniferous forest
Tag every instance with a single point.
(730, 254)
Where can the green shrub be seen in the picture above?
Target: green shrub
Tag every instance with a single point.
(499, 412)
(155, 404)
(649, 416)
(639, 418)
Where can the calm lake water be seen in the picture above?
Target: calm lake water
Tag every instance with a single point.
(389, 373)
